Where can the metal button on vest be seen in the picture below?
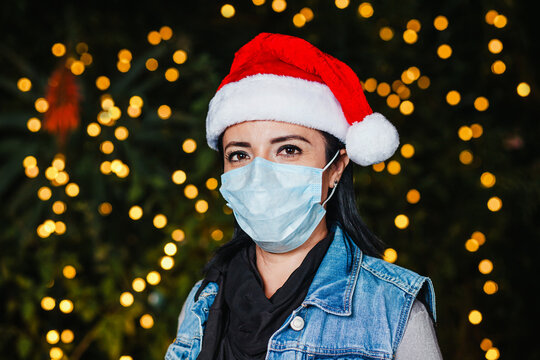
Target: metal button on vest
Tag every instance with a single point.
(297, 323)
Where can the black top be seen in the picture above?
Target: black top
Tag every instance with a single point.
(242, 319)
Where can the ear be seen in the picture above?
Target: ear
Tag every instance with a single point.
(337, 168)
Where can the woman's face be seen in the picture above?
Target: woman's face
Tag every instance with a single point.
(280, 142)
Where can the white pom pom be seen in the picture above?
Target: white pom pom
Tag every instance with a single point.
(371, 140)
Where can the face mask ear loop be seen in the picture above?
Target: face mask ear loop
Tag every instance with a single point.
(331, 193)
(331, 161)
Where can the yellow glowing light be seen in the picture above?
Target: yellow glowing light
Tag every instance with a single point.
(440, 22)
(410, 36)
(104, 118)
(86, 59)
(147, 321)
(407, 151)
(393, 101)
(134, 111)
(189, 146)
(498, 67)
(49, 226)
(475, 317)
(24, 84)
(172, 74)
(307, 12)
(67, 336)
(444, 51)
(106, 147)
(165, 32)
(42, 231)
(66, 306)
(486, 344)
(383, 89)
(138, 284)
(166, 262)
(191, 191)
(493, 354)
(495, 46)
(58, 207)
(58, 49)
(465, 157)
(500, 21)
(178, 235)
(115, 112)
(453, 97)
(494, 204)
(299, 20)
(105, 167)
(477, 130)
(370, 85)
(52, 337)
(472, 245)
(386, 33)
(164, 112)
(153, 278)
(170, 249)
(179, 177)
(33, 124)
(379, 166)
(258, 2)
(365, 10)
(423, 82)
(217, 235)
(151, 64)
(465, 133)
(29, 161)
(60, 227)
(401, 221)
(180, 56)
(160, 221)
(490, 287)
(390, 255)
(341, 4)
(136, 101)
(51, 172)
(413, 196)
(69, 271)
(77, 67)
(154, 37)
(72, 189)
(125, 55)
(56, 353)
(106, 102)
(121, 133)
(41, 105)
(201, 206)
(479, 236)
(135, 212)
(126, 299)
(105, 208)
(123, 172)
(227, 11)
(406, 107)
(523, 89)
(123, 66)
(487, 179)
(393, 167)
(490, 16)
(125, 357)
(279, 5)
(44, 193)
(414, 25)
(481, 103)
(485, 266)
(48, 303)
(59, 162)
(211, 184)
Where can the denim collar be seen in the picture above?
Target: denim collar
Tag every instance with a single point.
(333, 286)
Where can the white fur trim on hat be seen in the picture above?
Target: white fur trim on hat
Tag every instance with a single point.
(371, 140)
(275, 97)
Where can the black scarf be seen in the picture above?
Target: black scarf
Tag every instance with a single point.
(242, 319)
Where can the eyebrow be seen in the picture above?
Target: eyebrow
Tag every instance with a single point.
(273, 141)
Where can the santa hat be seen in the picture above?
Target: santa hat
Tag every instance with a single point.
(285, 78)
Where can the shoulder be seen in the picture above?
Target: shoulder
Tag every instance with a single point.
(380, 273)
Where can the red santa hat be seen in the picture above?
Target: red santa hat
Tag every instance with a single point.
(285, 78)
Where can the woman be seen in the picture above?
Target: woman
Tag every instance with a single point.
(302, 277)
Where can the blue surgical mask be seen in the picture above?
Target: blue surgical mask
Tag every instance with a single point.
(277, 205)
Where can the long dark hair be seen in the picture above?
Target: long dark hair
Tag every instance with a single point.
(341, 208)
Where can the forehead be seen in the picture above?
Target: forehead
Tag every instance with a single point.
(265, 130)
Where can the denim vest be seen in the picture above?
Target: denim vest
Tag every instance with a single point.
(356, 308)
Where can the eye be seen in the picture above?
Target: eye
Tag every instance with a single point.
(236, 156)
(289, 150)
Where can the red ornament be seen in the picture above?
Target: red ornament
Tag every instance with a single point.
(63, 97)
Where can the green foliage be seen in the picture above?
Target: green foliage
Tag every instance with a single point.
(108, 251)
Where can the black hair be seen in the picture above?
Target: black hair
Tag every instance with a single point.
(340, 208)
